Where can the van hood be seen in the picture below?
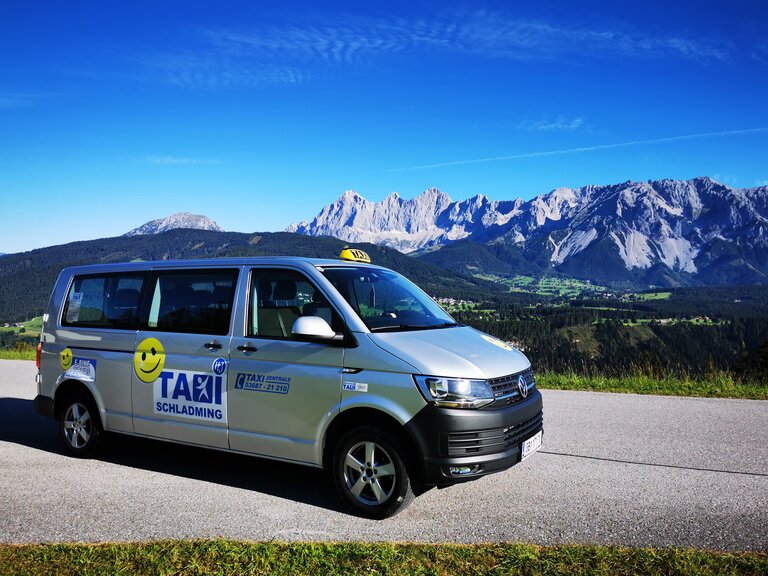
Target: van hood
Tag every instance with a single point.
(461, 352)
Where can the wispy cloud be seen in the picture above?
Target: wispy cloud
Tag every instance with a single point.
(585, 149)
(728, 179)
(499, 35)
(763, 182)
(19, 100)
(561, 123)
(292, 53)
(220, 70)
(760, 53)
(177, 161)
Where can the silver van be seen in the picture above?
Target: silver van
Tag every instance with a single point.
(337, 364)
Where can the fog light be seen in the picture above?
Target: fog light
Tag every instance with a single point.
(462, 470)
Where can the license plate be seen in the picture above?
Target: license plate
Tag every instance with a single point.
(531, 445)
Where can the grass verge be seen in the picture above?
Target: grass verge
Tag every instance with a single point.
(223, 556)
(721, 385)
(17, 354)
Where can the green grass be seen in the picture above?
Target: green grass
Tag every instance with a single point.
(546, 286)
(32, 327)
(223, 556)
(653, 296)
(17, 353)
(721, 385)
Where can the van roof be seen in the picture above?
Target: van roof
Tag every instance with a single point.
(208, 262)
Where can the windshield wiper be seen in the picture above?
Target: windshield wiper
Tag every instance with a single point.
(447, 325)
(398, 327)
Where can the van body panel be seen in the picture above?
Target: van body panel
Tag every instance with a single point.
(458, 352)
(374, 378)
(281, 395)
(187, 379)
(109, 390)
(367, 355)
(110, 354)
(386, 392)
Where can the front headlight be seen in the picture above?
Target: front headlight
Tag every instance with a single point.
(455, 392)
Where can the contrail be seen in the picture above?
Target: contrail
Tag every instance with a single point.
(583, 149)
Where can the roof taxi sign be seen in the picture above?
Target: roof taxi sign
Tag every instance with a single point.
(354, 255)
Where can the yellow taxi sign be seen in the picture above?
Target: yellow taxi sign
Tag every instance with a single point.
(355, 255)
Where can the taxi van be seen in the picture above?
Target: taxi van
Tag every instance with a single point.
(335, 364)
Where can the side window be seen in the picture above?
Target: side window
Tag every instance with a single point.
(279, 297)
(104, 301)
(198, 301)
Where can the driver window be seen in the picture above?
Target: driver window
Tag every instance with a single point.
(279, 297)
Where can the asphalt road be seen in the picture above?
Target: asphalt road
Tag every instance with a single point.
(614, 469)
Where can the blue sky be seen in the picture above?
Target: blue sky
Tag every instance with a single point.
(258, 114)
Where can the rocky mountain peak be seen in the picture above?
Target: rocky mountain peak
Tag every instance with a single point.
(405, 225)
(665, 229)
(174, 221)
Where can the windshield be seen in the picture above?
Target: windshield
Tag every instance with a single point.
(385, 301)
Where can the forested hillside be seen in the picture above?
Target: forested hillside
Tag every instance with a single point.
(26, 279)
(685, 331)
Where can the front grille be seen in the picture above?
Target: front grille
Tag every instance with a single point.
(481, 442)
(505, 390)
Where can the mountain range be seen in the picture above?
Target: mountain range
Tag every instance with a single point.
(661, 232)
(664, 233)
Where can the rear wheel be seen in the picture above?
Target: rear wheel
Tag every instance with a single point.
(370, 474)
(80, 425)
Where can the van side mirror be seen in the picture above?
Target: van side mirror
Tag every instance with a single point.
(313, 328)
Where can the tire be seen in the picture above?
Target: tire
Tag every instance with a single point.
(370, 474)
(80, 426)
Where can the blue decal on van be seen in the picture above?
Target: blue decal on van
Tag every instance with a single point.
(219, 366)
(83, 369)
(191, 394)
(263, 383)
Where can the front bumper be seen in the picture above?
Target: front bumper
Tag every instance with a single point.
(476, 442)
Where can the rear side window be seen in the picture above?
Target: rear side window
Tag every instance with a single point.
(104, 301)
(195, 301)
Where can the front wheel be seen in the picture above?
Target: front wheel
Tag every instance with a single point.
(370, 474)
(80, 426)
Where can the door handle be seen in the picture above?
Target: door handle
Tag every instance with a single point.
(212, 346)
(247, 348)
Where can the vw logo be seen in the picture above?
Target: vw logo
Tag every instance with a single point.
(522, 386)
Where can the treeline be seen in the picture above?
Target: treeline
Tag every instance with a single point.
(712, 301)
(719, 301)
(607, 342)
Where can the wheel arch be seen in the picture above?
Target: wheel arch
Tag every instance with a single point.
(68, 387)
(370, 417)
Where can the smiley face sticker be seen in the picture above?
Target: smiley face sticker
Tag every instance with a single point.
(65, 359)
(149, 360)
(497, 342)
